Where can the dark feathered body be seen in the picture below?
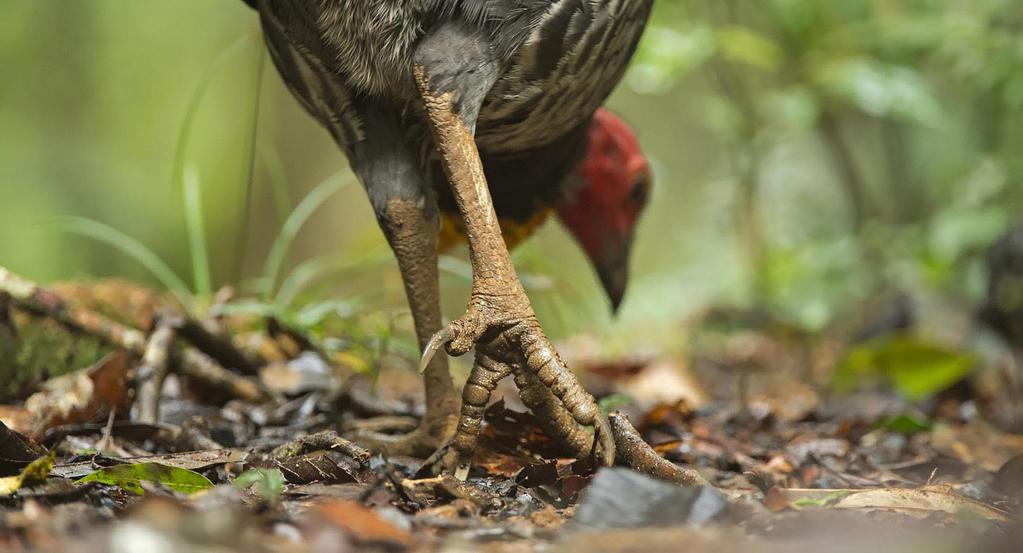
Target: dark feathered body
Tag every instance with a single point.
(558, 61)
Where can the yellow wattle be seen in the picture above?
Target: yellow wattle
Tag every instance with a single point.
(452, 230)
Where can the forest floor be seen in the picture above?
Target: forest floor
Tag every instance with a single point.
(244, 448)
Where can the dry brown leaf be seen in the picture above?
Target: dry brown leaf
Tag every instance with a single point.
(664, 382)
(918, 502)
(776, 501)
(17, 418)
(16, 451)
(84, 396)
(977, 444)
(361, 523)
(314, 467)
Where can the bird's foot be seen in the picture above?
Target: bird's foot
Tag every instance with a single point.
(431, 434)
(509, 340)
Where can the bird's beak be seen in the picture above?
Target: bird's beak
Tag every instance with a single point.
(613, 269)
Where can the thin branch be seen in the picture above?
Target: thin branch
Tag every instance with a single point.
(153, 371)
(42, 302)
(220, 348)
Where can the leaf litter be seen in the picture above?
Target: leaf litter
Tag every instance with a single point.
(265, 462)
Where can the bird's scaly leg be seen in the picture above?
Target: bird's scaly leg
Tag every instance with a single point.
(413, 238)
(499, 319)
(409, 219)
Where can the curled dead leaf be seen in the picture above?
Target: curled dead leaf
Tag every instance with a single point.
(89, 395)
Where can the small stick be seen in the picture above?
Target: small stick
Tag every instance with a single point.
(327, 439)
(635, 453)
(384, 424)
(106, 441)
(153, 370)
(40, 301)
(220, 348)
(45, 303)
(192, 363)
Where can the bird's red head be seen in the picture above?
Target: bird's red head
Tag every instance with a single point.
(603, 211)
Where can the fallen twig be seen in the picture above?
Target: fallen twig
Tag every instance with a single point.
(195, 364)
(39, 301)
(383, 424)
(327, 439)
(153, 370)
(218, 347)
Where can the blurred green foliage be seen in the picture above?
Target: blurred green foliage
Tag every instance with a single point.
(906, 424)
(916, 368)
(868, 145)
(809, 154)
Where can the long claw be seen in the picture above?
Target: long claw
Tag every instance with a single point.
(442, 338)
(462, 471)
(603, 435)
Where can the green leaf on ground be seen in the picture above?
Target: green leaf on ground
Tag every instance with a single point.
(905, 423)
(130, 478)
(823, 501)
(269, 482)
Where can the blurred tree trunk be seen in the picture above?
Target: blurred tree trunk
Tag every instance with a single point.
(744, 157)
(907, 203)
(989, 120)
(846, 171)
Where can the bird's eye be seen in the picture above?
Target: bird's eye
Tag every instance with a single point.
(640, 190)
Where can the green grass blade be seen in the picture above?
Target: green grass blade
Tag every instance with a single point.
(305, 209)
(247, 307)
(130, 247)
(278, 183)
(196, 227)
(320, 267)
(242, 241)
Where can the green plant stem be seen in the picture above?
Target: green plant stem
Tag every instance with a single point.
(243, 238)
(132, 248)
(279, 251)
(195, 225)
(180, 176)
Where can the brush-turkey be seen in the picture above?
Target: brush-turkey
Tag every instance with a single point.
(479, 116)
